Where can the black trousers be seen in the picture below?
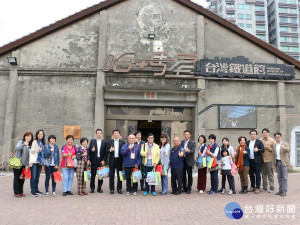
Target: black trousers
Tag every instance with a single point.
(142, 181)
(129, 187)
(94, 165)
(18, 183)
(189, 171)
(254, 172)
(176, 179)
(214, 181)
(113, 166)
(230, 181)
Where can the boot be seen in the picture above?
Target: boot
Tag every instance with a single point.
(242, 190)
(233, 190)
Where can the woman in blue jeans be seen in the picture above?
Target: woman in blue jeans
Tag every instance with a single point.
(165, 160)
(35, 167)
(50, 154)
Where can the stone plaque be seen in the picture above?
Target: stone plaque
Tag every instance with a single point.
(72, 130)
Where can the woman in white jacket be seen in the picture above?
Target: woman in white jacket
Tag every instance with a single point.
(35, 167)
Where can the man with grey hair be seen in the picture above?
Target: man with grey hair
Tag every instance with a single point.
(176, 162)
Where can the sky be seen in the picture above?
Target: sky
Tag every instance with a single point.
(19, 18)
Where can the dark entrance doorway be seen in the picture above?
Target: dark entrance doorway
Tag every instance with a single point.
(147, 127)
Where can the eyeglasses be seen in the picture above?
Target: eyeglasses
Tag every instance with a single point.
(163, 139)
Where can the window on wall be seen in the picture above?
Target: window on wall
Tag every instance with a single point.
(295, 49)
(292, 1)
(241, 25)
(284, 39)
(293, 11)
(247, 7)
(241, 16)
(249, 26)
(294, 39)
(259, 17)
(294, 29)
(260, 27)
(283, 19)
(293, 20)
(229, 6)
(297, 145)
(259, 8)
(230, 15)
(240, 6)
(283, 29)
(282, 1)
(248, 17)
(283, 10)
(261, 36)
(284, 48)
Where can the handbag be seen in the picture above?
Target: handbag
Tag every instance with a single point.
(204, 161)
(85, 177)
(57, 177)
(214, 164)
(15, 163)
(103, 172)
(136, 176)
(234, 169)
(159, 169)
(199, 162)
(75, 162)
(165, 171)
(122, 175)
(70, 163)
(151, 177)
(157, 179)
(26, 173)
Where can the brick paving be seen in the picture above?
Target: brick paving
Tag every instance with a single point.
(121, 209)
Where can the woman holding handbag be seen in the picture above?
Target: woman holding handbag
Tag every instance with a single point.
(242, 162)
(50, 159)
(22, 153)
(201, 185)
(165, 161)
(35, 167)
(82, 163)
(68, 152)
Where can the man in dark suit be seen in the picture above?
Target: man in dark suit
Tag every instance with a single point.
(115, 160)
(140, 142)
(97, 156)
(189, 147)
(256, 149)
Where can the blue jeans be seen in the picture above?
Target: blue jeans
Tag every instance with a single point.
(164, 184)
(35, 171)
(214, 180)
(148, 169)
(49, 173)
(68, 175)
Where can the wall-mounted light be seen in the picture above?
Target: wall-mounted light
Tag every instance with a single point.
(12, 60)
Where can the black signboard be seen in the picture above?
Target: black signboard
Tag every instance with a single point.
(241, 67)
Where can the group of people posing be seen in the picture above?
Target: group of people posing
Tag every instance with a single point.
(253, 157)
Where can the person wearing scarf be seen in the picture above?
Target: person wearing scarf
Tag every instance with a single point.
(242, 163)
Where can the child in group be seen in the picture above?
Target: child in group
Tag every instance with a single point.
(226, 170)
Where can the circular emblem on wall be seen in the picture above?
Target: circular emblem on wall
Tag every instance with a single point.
(152, 18)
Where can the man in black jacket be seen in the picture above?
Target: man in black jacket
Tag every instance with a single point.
(256, 149)
(97, 156)
(189, 147)
(115, 160)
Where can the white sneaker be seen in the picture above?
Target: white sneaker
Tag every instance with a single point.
(230, 192)
(223, 191)
(201, 192)
(127, 193)
(134, 194)
(47, 194)
(53, 194)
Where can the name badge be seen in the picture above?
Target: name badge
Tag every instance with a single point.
(150, 157)
(132, 155)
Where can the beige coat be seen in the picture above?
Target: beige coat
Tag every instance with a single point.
(33, 154)
(284, 154)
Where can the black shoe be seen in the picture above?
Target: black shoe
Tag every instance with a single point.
(220, 190)
(242, 190)
(39, 193)
(69, 193)
(112, 192)
(91, 191)
(184, 189)
(173, 193)
(278, 193)
(188, 191)
(283, 194)
(142, 189)
(65, 194)
(100, 191)
(233, 191)
(120, 192)
(177, 193)
(245, 190)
